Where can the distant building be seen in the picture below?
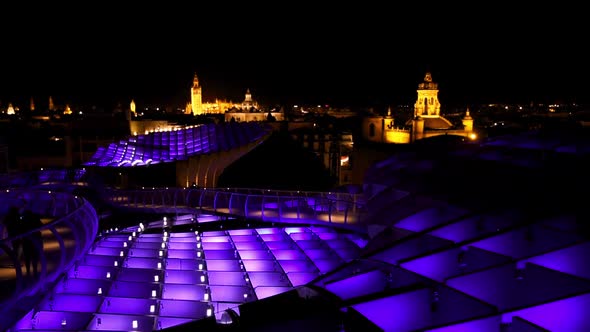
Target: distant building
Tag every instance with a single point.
(426, 121)
(249, 110)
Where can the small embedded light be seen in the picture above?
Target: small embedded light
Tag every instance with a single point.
(133, 234)
(245, 296)
(165, 223)
(134, 324)
(159, 265)
(115, 263)
(108, 275)
(156, 278)
(198, 245)
(163, 245)
(165, 234)
(206, 296)
(247, 279)
(198, 254)
(129, 238)
(209, 312)
(121, 253)
(198, 238)
(202, 278)
(154, 293)
(160, 253)
(124, 244)
(196, 232)
(200, 266)
(64, 322)
(99, 291)
(152, 309)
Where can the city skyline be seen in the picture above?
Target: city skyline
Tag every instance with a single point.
(351, 56)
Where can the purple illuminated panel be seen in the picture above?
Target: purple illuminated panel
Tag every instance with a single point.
(315, 254)
(146, 245)
(191, 245)
(339, 243)
(167, 322)
(183, 292)
(275, 245)
(139, 275)
(291, 230)
(183, 309)
(229, 293)
(268, 230)
(301, 278)
(220, 254)
(150, 238)
(217, 245)
(133, 289)
(142, 263)
(143, 253)
(181, 254)
(103, 251)
(359, 285)
(98, 260)
(310, 244)
(249, 245)
(302, 236)
(112, 244)
(244, 238)
(255, 254)
(237, 232)
(215, 238)
(214, 233)
(183, 240)
(264, 292)
(92, 272)
(490, 324)
(348, 253)
(71, 302)
(411, 248)
(83, 286)
(254, 265)
(288, 255)
(429, 218)
(183, 277)
(126, 306)
(223, 265)
(226, 278)
(268, 279)
(298, 266)
(183, 264)
(477, 226)
(327, 265)
(572, 260)
(328, 236)
(53, 320)
(453, 262)
(564, 315)
(114, 322)
(273, 237)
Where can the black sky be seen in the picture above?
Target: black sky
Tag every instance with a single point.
(360, 54)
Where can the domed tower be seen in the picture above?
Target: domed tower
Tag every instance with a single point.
(467, 122)
(196, 97)
(427, 104)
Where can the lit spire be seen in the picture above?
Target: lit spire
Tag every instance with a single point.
(195, 80)
(467, 115)
(389, 111)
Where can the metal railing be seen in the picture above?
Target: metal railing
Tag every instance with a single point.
(70, 227)
(284, 207)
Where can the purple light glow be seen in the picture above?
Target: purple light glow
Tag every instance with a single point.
(273, 237)
(183, 292)
(214, 233)
(147, 245)
(339, 243)
(166, 322)
(183, 277)
(411, 248)
(268, 279)
(564, 315)
(471, 228)
(301, 278)
(228, 293)
(328, 236)
(445, 264)
(92, 272)
(429, 218)
(490, 324)
(185, 240)
(52, 320)
(507, 292)
(150, 238)
(82, 286)
(139, 275)
(323, 253)
(104, 251)
(250, 246)
(220, 254)
(289, 255)
(358, 285)
(216, 245)
(310, 244)
(254, 265)
(326, 265)
(291, 230)
(302, 236)
(348, 253)
(133, 289)
(572, 260)
(298, 266)
(183, 309)
(142, 263)
(112, 244)
(528, 241)
(255, 254)
(239, 232)
(226, 278)
(244, 238)
(275, 245)
(182, 264)
(222, 265)
(148, 253)
(215, 239)
(175, 245)
(180, 254)
(114, 322)
(262, 231)
(126, 306)
(71, 302)
(264, 292)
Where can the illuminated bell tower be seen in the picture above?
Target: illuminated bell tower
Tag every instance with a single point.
(196, 97)
(132, 107)
(427, 104)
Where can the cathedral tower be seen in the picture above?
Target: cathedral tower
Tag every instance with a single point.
(467, 122)
(196, 97)
(427, 104)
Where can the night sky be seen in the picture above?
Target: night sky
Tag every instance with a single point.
(357, 55)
